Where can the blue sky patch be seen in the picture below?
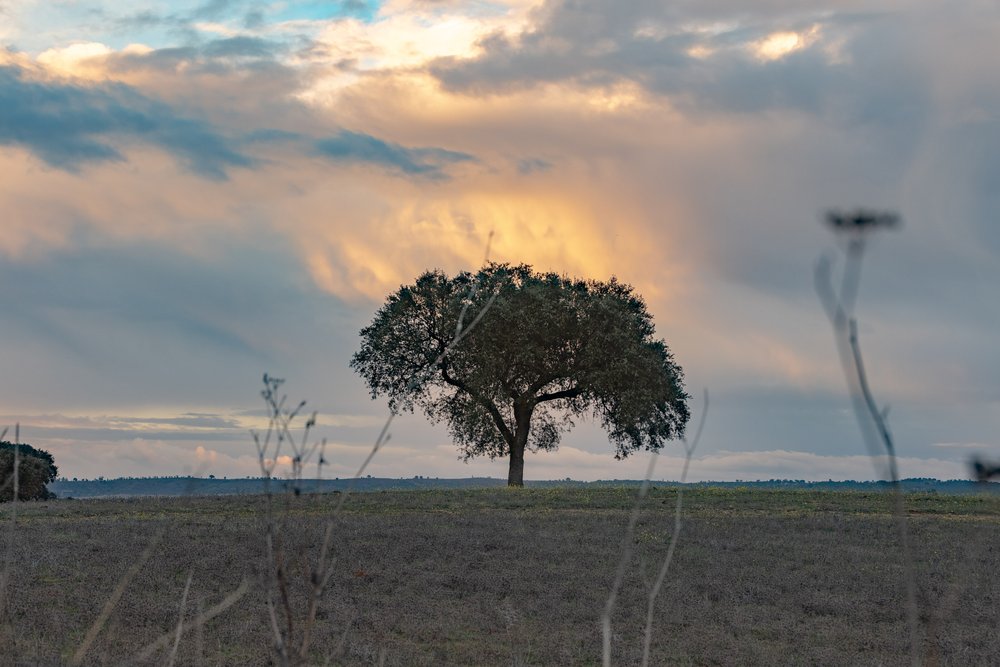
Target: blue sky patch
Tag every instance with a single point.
(317, 10)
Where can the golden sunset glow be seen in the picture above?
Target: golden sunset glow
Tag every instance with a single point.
(81, 59)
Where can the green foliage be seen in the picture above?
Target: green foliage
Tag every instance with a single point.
(547, 350)
(36, 468)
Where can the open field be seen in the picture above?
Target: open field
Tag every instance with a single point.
(500, 576)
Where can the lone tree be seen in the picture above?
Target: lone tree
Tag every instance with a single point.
(546, 350)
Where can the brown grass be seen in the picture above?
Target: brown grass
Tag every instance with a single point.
(519, 577)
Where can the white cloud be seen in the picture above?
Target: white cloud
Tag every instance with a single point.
(75, 59)
(405, 35)
(777, 45)
(975, 446)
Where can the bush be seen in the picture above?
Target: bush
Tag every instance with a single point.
(36, 468)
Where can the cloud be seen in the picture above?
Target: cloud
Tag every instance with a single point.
(688, 148)
(975, 446)
(240, 46)
(69, 125)
(712, 59)
(356, 147)
(211, 9)
(206, 457)
(144, 324)
(528, 166)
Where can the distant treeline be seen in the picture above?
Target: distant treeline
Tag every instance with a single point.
(208, 486)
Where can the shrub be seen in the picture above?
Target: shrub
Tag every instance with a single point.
(36, 468)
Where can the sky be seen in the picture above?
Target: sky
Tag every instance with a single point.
(197, 192)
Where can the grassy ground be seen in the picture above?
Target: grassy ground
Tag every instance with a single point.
(497, 577)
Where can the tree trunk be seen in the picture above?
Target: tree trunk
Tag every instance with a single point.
(515, 474)
(522, 426)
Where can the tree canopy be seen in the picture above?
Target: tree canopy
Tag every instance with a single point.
(36, 468)
(548, 349)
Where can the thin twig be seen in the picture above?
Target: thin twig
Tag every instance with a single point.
(319, 579)
(343, 636)
(665, 567)
(5, 621)
(180, 620)
(116, 594)
(199, 634)
(196, 623)
(17, 473)
(112, 601)
(269, 444)
(624, 561)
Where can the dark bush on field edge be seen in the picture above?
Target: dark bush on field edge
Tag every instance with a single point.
(36, 468)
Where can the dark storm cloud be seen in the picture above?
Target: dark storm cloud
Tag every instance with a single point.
(68, 126)
(863, 89)
(357, 147)
(590, 41)
(599, 43)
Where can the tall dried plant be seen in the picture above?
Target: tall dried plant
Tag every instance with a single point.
(854, 229)
(293, 632)
(625, 560)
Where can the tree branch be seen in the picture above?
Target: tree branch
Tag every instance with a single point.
(507, 387)
(556, 395)
(476, 396)
(539, 383)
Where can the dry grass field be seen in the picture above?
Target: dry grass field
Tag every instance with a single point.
(517, 577)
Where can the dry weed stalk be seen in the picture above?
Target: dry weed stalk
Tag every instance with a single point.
(180, 620)
(291, 642)
(855, 228)
(661, 576)
(627, 548)
(623, 562)
(112, 601)
(94, 631)
(109, 605)
(270, 445)
(6, 627)
(196, 623)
